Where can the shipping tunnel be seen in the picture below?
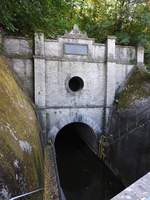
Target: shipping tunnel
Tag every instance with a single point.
(82, 175)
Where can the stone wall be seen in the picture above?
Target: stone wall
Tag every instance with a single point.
(45, 68)
(128, 152)
(19, 52)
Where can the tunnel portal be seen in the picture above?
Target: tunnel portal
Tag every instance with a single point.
(82, 175)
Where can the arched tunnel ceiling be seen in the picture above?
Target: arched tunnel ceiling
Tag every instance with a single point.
(90, 139)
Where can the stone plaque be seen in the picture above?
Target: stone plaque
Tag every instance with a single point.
(76, 49)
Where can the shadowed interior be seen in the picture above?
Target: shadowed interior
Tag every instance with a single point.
(82, 175)
(76, 83)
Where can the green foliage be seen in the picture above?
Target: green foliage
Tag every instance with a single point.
(129, 20)
(22, 16)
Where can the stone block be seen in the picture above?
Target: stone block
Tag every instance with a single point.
(39, 47)
(111, 49)
(17, 47)
(140, 55)
(39, 82)
(58, 75)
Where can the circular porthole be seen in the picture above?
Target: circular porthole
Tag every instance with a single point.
(76, 83)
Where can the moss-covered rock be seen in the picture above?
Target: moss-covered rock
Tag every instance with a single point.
(21, 159)
(128, 153)
(136, 89)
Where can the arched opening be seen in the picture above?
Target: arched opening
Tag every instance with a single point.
(76, 83)
(82, 175)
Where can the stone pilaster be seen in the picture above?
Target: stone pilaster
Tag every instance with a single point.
(140, 56)
(39, 79)
(110, 75)
(39, 70)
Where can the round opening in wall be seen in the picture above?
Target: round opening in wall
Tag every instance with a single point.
(76, 83)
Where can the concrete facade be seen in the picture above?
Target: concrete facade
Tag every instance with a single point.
(46, 68)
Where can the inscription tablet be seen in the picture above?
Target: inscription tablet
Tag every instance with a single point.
(76, 49)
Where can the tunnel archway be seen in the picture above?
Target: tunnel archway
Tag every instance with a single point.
(91, 138)
(82, 176)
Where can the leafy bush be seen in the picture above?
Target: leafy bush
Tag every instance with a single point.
(129, 20)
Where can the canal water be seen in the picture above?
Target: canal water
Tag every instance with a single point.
(82, 175)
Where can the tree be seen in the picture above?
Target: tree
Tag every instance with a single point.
(129, 20)
(23, 16)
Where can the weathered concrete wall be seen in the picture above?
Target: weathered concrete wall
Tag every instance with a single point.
(19, 52)
(21, 158)
(128, 135)
(126, 54)
(122, 73)
(103, 68)
(58, 72)
(46, 68)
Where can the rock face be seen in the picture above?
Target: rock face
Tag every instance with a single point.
(21, 156)
(128, 152)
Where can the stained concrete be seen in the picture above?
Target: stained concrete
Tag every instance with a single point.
(44, 69)
(128, 135)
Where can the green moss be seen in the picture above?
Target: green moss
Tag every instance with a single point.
(18, 123)
(136, 89)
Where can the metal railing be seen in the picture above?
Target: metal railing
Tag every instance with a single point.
(53, 153)
(27, 194)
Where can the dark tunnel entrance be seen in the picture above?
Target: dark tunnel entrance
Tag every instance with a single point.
(82, 175)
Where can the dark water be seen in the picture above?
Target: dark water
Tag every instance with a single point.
(82, 175)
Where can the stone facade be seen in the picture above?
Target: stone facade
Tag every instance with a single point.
(47, 67)
(19, 52)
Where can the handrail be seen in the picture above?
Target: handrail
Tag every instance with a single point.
(55, 167)
(27, 194)
(130, 132)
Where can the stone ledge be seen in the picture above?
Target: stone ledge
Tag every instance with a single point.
(139, 190)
